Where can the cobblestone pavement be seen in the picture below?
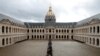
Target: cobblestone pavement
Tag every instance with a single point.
(26, 48)
(71, 48)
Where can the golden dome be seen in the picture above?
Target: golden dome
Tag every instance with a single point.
(50, 13)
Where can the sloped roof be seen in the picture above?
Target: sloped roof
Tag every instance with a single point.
(2, 16)
(30, 25)
(87, 20)
(71, 24)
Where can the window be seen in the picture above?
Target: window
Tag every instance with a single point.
(37, 30)
(56, 36)
(90, 40)
(10, 29)
(43, 30)
(27, 37)
(67, 37)
(43, 36)
(98, 29)
(49, 30)
(3, 41)
(62, 30)
(57, 31)
(10, 40)
(64, 36)
(67, 31)
(93, 41)
(71, 31)
(32, 30)
(90, 29)
(3, 29)
(93, 29)
(28, 31)
(72, 37)
(97, 42)
(6, 40)
(32, 36)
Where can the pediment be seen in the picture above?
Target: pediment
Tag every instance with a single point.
(5, 21)
(94, 21)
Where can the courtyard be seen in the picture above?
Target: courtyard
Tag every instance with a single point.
(39, 48)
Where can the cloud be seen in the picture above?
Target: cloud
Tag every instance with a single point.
(24, 9)
(94, 7)
(35, 10)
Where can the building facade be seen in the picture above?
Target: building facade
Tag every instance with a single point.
(11, 31)
(50, 29)
(86, 31)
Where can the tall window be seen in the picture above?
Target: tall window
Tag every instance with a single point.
(93, 41)
(6, 29)
(90, 40)
(67, 31)
(71, 31)
(32, 30)
(6, 40)
(97, 42)
(32, 36)
(72, 37)
(98, 29)
(43, 30)
(10, 40)
(3, 29)
(49, 30)
(40, 30)
(90, 29)
(62, 30)
(3, 41)
(28, 31)
(10, 29)
(37, 30)
(57, 31)
(93, 29)
(67, 37)
(27, 37)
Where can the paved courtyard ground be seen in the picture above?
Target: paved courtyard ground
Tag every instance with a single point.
(72, 48)
(26, 48)
(39, 48)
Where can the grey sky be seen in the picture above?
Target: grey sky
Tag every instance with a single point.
(35, 10)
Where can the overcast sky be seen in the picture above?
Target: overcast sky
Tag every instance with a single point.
(64, 10)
